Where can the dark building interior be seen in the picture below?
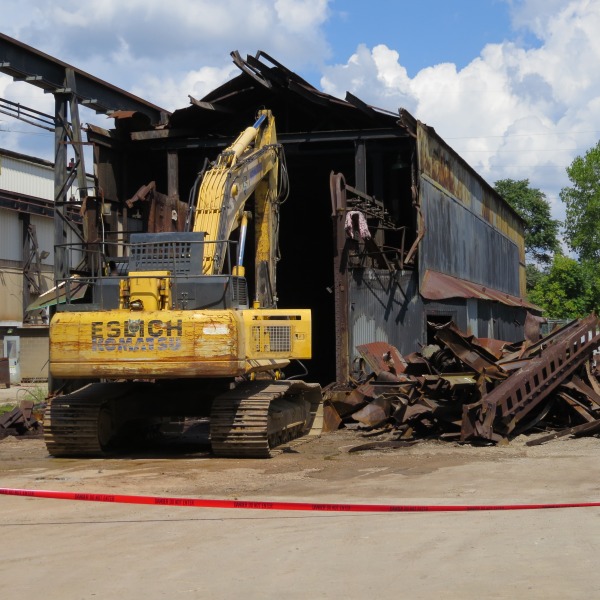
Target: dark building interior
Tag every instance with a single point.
(320, 135)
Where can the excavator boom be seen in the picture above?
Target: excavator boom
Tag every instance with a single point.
(249, 165)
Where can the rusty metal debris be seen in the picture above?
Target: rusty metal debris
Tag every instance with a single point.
(21, 420)
(476, 391)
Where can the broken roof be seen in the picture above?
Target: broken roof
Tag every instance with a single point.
(305, 108)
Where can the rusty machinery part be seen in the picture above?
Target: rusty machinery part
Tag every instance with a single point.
(252, 419)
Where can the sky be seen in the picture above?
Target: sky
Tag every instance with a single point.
(512, 85)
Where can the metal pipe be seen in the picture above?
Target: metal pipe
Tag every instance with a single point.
(239, 267)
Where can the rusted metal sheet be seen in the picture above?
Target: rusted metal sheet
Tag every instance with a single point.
(438, 286)
(331, 418)
(165, 213)
(574, 405)
(459, 251)
(464, 349)
(347, 402)
(494, 347)
(533, 327)
(374, 413)
(448, 170)
(20, 420)
(382, 357)
(583, 429)
(580, 387)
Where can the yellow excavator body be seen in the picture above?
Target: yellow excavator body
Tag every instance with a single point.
(177, 320)
(163, 344)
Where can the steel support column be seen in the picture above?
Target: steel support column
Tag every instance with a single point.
(61, 265)
(340, 276)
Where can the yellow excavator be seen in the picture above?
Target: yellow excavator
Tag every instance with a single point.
(171, 332)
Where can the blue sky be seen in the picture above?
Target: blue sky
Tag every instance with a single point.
(512, 85)
(424, 33)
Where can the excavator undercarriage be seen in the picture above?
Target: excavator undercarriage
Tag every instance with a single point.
(248, 421)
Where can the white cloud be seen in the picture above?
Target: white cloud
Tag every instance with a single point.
(376, 76)
(138, 43)
(173, 36)
(301, 15)
(521, 109)
(172, 94)
(161, 51)
(514, 111)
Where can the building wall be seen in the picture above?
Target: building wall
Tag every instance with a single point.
(461, 243)
(11, 261)
(35, 352)
(487, 234)
(387, 307)
(26, 175)
(11, 295)
(11, 236)
(31, 178)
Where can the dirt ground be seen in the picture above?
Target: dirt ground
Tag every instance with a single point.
(62, 549)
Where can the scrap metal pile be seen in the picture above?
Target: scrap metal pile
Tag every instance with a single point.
(20, 421)
(476, 390)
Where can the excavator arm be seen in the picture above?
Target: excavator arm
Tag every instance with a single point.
(249, 165)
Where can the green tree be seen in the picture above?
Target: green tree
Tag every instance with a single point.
(568, 290)
(582, 201)
(541, 230)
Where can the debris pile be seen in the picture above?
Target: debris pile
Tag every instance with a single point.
(476, 390)
(21, 420)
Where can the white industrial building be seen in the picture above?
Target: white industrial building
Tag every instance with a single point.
(26, 261)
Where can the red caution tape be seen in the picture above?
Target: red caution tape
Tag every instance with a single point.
(308, 506)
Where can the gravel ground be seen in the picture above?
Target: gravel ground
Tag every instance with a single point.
(75, 550)
(26, 391)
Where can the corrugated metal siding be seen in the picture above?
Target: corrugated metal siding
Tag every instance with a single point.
(509, 322)
(24, 177)
(21, 176)
(500, 321)
(458, 242)
(485, 323)
(11, 235)
(18, 175)
(387, 308)
(384, 308)
(443, 166)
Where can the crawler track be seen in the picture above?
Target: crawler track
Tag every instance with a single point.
(74, 424)
(84, 422)
(248, 421)
(252, 419)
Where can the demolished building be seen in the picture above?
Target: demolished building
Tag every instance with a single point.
(386, 228)
(437, 244)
